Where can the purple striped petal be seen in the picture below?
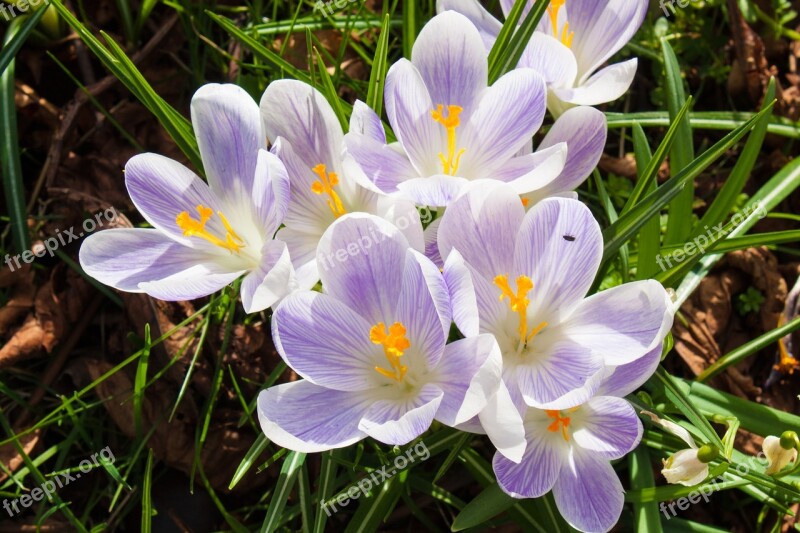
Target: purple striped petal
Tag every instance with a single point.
(469, 374)
(364, 121)
(402, 419)
(161, 188)
(126, 258)
(545, 455)
(584, 129)
(195, 282)
(369, 276)
(326, 342)
(435, 191)
(503, 424)
(625, 379)
(482, 225)
(299, 113)
(559, 246)
(602, 29)
(551, 59)
(534, 172)
(225, 120)
(622, 324)
(605, 86)
(382, 166)
(554, 371)
(270, 193)
(463, 301)
(272, 280)
(588, 493)
(409, 106)
(488, 26)
(431, 244)
(299, 416)
(452, 60)
(606, 426)
(303, 252)
(507, 115)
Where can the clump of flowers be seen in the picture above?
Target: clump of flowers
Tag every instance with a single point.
(538, 364)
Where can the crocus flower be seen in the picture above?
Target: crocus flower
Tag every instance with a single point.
(371, 348)
(308, 138)
(777, 455)
(573, 40)
(205, 235)
(450, 126)
(569, 451)
(524, 280)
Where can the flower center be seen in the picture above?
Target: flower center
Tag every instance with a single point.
(197, 228)
(566, 35)
(560, 422)
(394, 344)
(450, 123)
(788, 364)
(519, 304)
(327, 181)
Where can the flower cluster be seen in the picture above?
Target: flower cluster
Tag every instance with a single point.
(537, 364)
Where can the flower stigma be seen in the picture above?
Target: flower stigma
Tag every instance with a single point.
(394, 344)
(450, 122)
(560, 422)
(327, 181)
(566, 35)
(197, 228)
(519, 304)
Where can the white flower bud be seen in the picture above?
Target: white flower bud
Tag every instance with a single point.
(685, 468)
(777, 456)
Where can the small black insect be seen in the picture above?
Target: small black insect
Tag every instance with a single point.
(569, 238)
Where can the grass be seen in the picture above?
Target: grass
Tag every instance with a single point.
(253, 44)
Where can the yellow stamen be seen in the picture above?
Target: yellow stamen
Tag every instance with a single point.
(787, 364)
(566, 35)
(450, 122)
(519, 304)
(525, 202)
(327, 181)
(197, 228)
(394, 344)
(559, 422)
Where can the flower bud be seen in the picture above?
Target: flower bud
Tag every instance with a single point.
(684, 467)
(789, 440)
(707, 453)
(777, 455)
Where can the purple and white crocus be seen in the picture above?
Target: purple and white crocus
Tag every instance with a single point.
(573, 40)
(372, 348)
(569, 451)
(451, 126)
(523, 277)
(205, 235)
(309, 140)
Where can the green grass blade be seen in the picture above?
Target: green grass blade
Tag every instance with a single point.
(650, 235)
(327, 479)
(373, 509)
(329, 91)
(486, 505)
(510, 55)
(679, 225)
(249, 459)
(10, 158)
(140, 380)
(702, 120)
(645, 514)
(147, 498)
(503, 39)
(380, 65)
(409, 28)
(677, 396)
(15, 39)
(283, 488)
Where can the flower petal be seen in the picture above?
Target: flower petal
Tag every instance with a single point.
(452, 60)
(368, 276)
(303, 252)
(225, 120)
(624, 323)
(126, 258)
(469, 374)
(299, 113)
(535, 171)
(606, 426)
(605, 86)
(195, 282)
(400, 420)
(545, 455)
(502, 422)
(270, 193)
(463, 302)
(298, 416)
(325, 342)
(380, 167)
(365, 121)
(161, 188)
(508, 114)
(437, 191)
(559, 246)
(482, 225)
(488, 26)
(271, 281)
(588, 492)
(625, 379)
(551, 59)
